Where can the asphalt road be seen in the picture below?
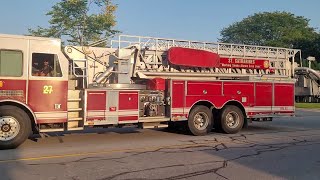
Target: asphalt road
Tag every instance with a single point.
(287, 148)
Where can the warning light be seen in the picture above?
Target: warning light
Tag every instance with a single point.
(1, 84)
(266, 64)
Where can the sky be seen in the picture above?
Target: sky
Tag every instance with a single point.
(180, 19)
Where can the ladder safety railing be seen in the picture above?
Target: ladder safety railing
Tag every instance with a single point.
(227, 49)
(80, 65)
(281, 60)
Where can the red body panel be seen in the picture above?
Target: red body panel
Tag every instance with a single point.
(96, 105)
(284, 94)
(128, 118)
(217, 101)
(178, 99)
(256, 98)
(41, 102)
(156, 84)
(96, 100)
(239, 90)
(193, 57)
(13, 90)
(128, 100)
(263, 94)
(178, 94)
(219, 93)
(204, 88)
(98, 108)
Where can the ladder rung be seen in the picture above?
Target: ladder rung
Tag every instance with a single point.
(51, 130)
(75, 129)
(74, 109)
(75, 119)
(74, 100)
(151, 126)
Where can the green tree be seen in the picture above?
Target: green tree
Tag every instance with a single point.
(281, 29)
(80, 22)
(310, 47)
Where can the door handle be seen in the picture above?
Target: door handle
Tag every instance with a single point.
(57, 106)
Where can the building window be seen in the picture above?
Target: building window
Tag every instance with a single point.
(46, 65)
(11, 63)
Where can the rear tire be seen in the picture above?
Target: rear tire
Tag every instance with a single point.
(200, 121)
(232, 119)
(15, 126)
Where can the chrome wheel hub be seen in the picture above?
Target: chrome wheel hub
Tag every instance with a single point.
(201, 121)
(9, 128)
(232, 119)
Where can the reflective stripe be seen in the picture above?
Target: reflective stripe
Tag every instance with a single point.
(269, 108)
(177, 110)
(52, 115)
(112, 113)
(123, 113)
(283, 108)
(258, 108)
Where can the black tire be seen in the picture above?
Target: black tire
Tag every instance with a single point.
(232, 119)
(197, 127)
(22, 119)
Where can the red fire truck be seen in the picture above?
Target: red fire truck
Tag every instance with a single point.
(144, 81)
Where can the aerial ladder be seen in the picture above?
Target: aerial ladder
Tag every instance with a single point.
(139, 57)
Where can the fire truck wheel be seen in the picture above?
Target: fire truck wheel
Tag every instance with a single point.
(15, 126)
(200, 121)
(232, 119)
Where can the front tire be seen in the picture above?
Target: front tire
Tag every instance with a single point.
(15, 126)
(200, 120)
(232, 119)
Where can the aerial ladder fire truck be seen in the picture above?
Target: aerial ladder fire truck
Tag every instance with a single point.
(147, 82)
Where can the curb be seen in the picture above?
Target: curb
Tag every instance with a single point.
(311, 110)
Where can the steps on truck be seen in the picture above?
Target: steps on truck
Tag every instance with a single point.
(153, 119)
(75, 110)
(151, 125)
(72, 82)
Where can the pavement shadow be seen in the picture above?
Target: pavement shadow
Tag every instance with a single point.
(246, 151)
(7, 163)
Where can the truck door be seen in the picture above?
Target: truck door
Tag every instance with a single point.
(263, 98)
(48, 84)
(178, 100)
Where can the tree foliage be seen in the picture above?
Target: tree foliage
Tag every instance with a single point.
(310, 47)
(281, 29)
(80, 22)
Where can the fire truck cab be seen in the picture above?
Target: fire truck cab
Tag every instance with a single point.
(143, 81)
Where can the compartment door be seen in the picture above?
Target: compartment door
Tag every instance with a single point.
(128, 106)
(263, 97)
(178, 99)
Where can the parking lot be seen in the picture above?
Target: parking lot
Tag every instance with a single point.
(286, 148)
